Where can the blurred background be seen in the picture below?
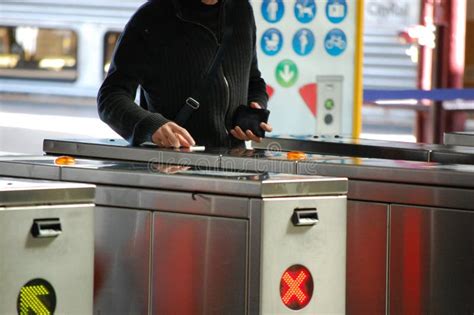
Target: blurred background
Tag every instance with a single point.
(55, 54)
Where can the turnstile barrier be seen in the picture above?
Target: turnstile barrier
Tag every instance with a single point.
(46, 247)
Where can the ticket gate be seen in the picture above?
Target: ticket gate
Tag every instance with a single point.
(350, 147)
(46, 242)
(261, 160)
(432, 200)
(372, 149)
(267, 155)
(176, 239)
(410, 235)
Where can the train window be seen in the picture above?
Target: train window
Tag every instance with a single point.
(109, 45)
(38, 53)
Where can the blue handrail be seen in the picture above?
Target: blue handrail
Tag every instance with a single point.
(433, 95)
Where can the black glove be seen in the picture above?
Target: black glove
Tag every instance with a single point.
(248, 118)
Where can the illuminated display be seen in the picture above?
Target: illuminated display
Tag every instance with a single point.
(296, 287)
(36, 297)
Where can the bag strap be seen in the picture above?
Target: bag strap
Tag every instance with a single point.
(192, 103)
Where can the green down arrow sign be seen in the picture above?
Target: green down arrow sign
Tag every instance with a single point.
(287, 73)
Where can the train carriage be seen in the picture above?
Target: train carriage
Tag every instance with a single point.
(59, 48)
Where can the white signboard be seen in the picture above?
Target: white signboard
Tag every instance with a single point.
(300, 42)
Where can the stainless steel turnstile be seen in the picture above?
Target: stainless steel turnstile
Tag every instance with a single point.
(191, 240)
(343, 146)
(373, 149)
(46, 247)
(392, 204)
(410, 235)
(260, 160)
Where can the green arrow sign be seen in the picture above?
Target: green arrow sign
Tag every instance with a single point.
(287, 73)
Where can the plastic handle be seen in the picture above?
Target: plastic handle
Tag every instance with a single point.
(305, 217)
(46, 228)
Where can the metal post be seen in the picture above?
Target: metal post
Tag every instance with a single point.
(425, 74)
(442, 67)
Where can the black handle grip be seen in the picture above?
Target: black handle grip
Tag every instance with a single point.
(305, 217)
(46, 228)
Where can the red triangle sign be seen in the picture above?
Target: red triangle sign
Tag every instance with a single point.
(309, 94)
(270, 91)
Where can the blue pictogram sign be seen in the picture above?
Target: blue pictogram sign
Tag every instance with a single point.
(271, 42)
(335, 42)
(305, 10)
(273, 10)
(336, 10)
(304, 42)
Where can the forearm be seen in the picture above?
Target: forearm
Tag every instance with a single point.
(116, 105)
(117, 109)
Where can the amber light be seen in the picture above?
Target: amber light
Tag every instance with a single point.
(65, 160)
(296, 287)
(296, 155)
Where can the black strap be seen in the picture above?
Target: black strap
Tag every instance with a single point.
(192, 103)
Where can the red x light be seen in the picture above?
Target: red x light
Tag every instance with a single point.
(296, 287)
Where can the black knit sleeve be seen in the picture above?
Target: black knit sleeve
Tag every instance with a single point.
(116, 96)
(257, 86)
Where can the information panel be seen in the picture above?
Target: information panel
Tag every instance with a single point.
(306, 51)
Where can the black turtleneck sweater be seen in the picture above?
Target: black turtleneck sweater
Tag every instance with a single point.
(165, 50)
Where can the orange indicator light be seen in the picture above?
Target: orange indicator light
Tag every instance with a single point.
(65, 160)
(296, 155)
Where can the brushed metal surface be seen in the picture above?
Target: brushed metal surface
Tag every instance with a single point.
(27, 192)
(320, 248)
(301, 186)
(66, 261)
(199, 265)
(185, 178)
(350, 147)
(459, 139)
(453, 155)
(421, 195)
(122, 261)
(411, 172)
(7, 154)
(431, 261)
(31, 167)
(202, 204)
(367, 229)
(255, 250)
(257, 160)
(42, 167)
(119, 149)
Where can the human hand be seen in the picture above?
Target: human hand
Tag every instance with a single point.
(170, 135)
(238, 133)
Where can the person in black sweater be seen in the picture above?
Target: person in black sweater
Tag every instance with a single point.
(165, 49)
